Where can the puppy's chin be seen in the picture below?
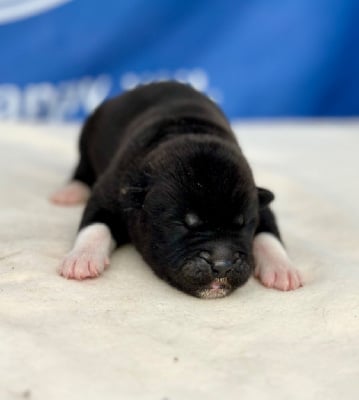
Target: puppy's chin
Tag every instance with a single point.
(218, 288)
(197, 280)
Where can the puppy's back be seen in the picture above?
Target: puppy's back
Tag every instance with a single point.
(126, 119)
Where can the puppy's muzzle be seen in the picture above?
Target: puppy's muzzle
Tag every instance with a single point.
(221, 261)
(205, 268)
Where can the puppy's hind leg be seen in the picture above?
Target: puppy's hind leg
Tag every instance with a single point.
(273, 267)
(77, 191)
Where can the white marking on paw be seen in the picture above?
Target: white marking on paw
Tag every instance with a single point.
(272, 265)
(90, 254)
(74, 192)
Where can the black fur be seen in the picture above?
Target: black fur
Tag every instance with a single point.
(167, 174)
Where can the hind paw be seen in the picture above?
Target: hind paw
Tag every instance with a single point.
(73, 193)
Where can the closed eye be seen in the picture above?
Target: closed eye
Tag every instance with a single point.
(245, 223)
(239, 220)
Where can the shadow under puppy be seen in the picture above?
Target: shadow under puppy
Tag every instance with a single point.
(166, 172)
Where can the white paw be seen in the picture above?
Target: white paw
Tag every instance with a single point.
(73, 193)
(83, 264)
(272, 265)
(90, 255)
(278, 276)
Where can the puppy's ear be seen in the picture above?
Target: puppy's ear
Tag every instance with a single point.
(265, 197)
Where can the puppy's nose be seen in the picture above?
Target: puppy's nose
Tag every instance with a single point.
(221, 266)
(221, 259)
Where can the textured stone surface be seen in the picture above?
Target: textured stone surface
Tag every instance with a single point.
(128, 335)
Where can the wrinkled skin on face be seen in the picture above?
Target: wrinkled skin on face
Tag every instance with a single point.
(197, 221)
(189, 257)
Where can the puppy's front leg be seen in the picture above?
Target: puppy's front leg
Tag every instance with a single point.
(90, 254)
(273, 267)
(272, 264)
(101, 229)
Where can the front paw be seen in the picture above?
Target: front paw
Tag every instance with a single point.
(272, 265)
(280, 275)
(83, 264)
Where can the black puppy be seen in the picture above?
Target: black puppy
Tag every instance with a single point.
(166, 172)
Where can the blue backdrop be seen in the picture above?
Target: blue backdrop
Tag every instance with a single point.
(258, 58)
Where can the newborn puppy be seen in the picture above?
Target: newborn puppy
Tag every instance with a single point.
(165, 172)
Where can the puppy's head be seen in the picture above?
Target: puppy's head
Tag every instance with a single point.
(195, 219)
